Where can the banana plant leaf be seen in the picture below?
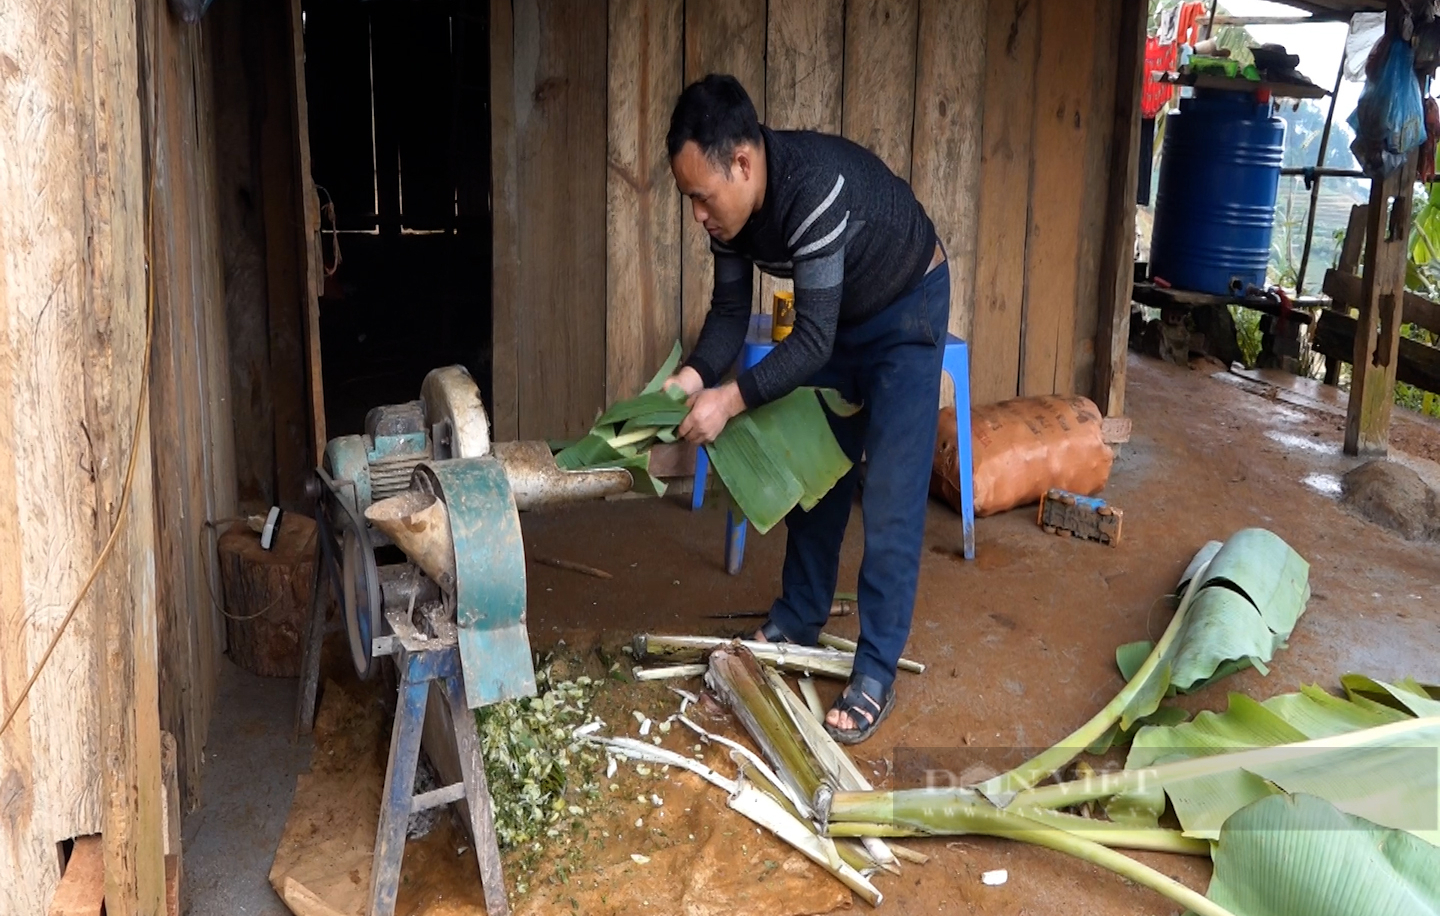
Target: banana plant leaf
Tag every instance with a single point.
(1215, 625)
(1301, 856)
(1368, 759)
(770, 459)
(657, 408)
(651, 409)
(781, 455)
(667, 369)
(1406, 695)
(1248, 571)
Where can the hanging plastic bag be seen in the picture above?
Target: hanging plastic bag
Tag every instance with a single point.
(1389, 120)
(1365, 30)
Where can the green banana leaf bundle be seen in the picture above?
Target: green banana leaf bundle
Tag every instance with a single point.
(770, 459)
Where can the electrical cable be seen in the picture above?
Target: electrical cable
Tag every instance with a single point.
(124, 496)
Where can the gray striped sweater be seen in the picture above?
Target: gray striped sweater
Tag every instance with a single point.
(846, 228)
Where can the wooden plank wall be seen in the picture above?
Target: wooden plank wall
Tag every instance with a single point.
(119, 171)
(1001, 113)
(190, 379)
(268, 219)
(1117, 257)
(721, 36)
(643, 207)
(82, 753)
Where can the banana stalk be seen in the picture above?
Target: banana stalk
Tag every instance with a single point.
(979, 817)
(801, 659)
(841, 770)
(842, 644)
(936, 812)
(739, 679)
(1144, 690)
(851, 852)
(760, 808)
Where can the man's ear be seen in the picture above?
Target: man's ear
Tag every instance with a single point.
(744, 161)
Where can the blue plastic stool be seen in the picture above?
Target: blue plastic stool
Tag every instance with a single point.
(956, 364)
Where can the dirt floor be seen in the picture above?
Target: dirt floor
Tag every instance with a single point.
(1020, 646)
(1021, 641)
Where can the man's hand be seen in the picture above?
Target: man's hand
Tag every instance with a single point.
(687, 380)
(710, 410)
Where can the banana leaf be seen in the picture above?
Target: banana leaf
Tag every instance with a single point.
(1216, 624)
(1300, 856)
(1368, 759)
(593, 451)
(781, 455)
(657, 408)
(667, 369)
(1405, 696)
(596, 453)
(770, 459)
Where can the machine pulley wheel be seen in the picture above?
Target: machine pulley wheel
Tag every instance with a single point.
(362, 600)
(455, 414)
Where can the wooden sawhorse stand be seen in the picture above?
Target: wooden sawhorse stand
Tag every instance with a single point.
(419, 662)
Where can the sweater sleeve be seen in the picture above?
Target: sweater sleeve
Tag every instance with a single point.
(723, 333)
(817, 227)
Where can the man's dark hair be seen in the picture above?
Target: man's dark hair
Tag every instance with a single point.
(717, 114)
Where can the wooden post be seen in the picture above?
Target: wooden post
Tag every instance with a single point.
(1063, 114)
(82, 755)
(804, 70)
(308, 237)
(505, 235)
(878, 107)
(1350, 252)
(1377, 337)
(1117, 264)
(560, 84)
(124, 592)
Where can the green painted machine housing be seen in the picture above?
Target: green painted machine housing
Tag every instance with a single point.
(489, 577)
(359, 459)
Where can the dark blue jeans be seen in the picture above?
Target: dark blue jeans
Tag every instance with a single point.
(890, 364)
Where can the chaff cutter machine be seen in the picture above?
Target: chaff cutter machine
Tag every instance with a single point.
(425, 486)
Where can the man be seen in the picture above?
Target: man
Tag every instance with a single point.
(872, 302)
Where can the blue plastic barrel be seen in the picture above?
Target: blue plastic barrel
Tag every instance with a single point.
(1215, 205)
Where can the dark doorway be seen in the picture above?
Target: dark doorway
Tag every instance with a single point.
(398, 94)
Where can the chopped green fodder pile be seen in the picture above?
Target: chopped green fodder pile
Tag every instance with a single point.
(542, 781)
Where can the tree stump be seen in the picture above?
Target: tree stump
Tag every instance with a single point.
(266, 595)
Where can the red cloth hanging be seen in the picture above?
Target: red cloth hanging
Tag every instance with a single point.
(1158, 59)
(1162, 58)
